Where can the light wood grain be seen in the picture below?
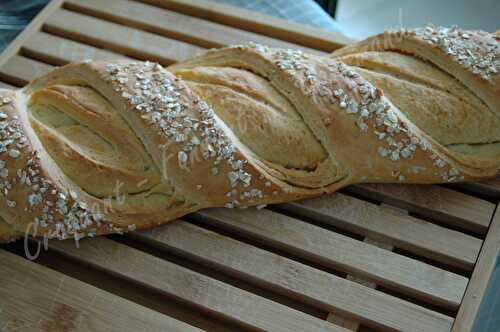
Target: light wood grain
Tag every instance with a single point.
(119, 38)
(21, 70)
(486, 263)
(174, 25)
(293, 279)
(445, 205)
(409, 233)
(35, 298)
(348, 323)
(57, 50)
(353, 324)
(186, 285)
(412, 277)
(4, 85)
(253, 21)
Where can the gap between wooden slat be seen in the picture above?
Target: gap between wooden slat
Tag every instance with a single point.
(255, 22)
(285, 276)
(419, 280)
(173, 25)
(489, 189)
(34, 297)
(118, 38)
(13, 81)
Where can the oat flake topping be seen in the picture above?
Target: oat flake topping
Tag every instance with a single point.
(362, 100)
(156, 95)
(482, 59)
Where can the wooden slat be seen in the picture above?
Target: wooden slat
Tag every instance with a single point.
(445, 205)
(186, 285)
(412, 277)
(21, 70)
(4, 85)
(405, 232)
(131, 290)
(493, 185)
(476, 289)
(118, 38)
(283, 275)
(349, 323)
(35, 298)
(57, 50)
(175, 25)
(253, 21)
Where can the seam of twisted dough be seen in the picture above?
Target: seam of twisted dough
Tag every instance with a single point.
(204, 162)
(251, 107)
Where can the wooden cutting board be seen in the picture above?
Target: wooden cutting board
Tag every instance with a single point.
(369, 258)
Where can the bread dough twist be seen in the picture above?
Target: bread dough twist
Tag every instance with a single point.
(103, 147)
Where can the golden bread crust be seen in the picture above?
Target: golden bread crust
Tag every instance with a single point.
(106, 147)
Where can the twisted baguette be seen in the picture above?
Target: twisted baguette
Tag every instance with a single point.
(103, 147)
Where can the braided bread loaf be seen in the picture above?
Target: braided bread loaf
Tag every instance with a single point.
(102, 147)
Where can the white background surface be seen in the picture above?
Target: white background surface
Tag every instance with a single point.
(363, 18)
